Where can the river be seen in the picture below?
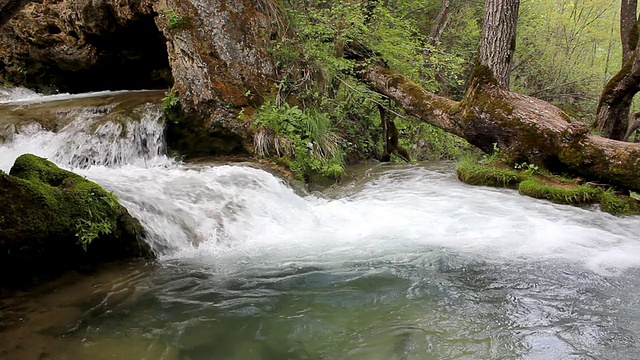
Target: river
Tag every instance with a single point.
(400, 262)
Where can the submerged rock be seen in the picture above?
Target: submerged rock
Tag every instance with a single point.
(54, 220)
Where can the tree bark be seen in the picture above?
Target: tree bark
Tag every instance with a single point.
(634, 124)
(8, 8)
(498, 40)
(615, 102)
(440, 22)
(524, 128)
(628, 28)
(612, 118)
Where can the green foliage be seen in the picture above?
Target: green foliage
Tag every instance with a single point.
(619, 205)
(314, 71)
(170, 101)
(99, 208)
(428, 142)
(566, 51)
(561, 194)
(526, 168)
(305, 139)
(174, 20)
(171, 105)
(472, 172)
(540, 184)
(326, 28)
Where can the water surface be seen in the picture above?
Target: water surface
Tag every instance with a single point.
(405, 262)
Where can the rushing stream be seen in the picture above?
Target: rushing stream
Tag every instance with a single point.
(404, 262)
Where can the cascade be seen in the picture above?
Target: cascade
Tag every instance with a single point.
(417, 261)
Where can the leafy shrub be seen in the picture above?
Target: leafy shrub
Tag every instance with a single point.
(174, 20)
(304, 138)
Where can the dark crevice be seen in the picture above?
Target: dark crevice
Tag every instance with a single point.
(53, 29)
(132, 56)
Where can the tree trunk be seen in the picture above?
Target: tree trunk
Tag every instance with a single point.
(524, 128)
(391, 138)
(612, 118)
(615, 102)
(384, 122)
(440, 22)
(8, 8)
(634, 124)
(499, 38)
(628, 28)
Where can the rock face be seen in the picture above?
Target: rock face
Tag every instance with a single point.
(49, 215)
(8, 8)
(79, 46)
(213, 53)
(218, 57)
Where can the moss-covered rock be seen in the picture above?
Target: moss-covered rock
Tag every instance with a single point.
(560, 193)
(540, 184)
(52, 219)
(619, 204)
(470, 171)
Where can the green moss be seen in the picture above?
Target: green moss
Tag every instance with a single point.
(483, 75)
(540, 184)
(560, 193)
(64, 202)
(175, 20)
(618, 204)
(470, 171)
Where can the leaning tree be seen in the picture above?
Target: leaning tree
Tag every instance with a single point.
(523, 127)
(613, 119)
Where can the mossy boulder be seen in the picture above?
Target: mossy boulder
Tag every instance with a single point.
(560, 193)
(618, 204)
(53, 220)
(471, 172)
(541, 184)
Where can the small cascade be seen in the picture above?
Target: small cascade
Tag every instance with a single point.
(404, 263)
(94, 139)
(77, 136)
(239, 215)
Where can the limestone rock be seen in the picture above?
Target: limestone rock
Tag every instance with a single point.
(86, 45)
(213, 53)
(217, 51)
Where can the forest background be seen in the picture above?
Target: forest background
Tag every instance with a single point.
(565, 53)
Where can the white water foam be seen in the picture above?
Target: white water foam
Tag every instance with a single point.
(90, 140)
(23, 96)
(237, 218)
(8, 95)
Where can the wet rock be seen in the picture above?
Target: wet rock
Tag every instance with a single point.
(217, 51)
(54, 220)
(79, 46)
(8, 9)
(213, 53)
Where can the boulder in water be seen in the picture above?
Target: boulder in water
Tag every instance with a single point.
(53, 220)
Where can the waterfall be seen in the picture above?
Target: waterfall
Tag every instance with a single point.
(242, 215)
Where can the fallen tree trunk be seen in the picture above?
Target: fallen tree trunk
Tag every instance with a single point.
(524, 128)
